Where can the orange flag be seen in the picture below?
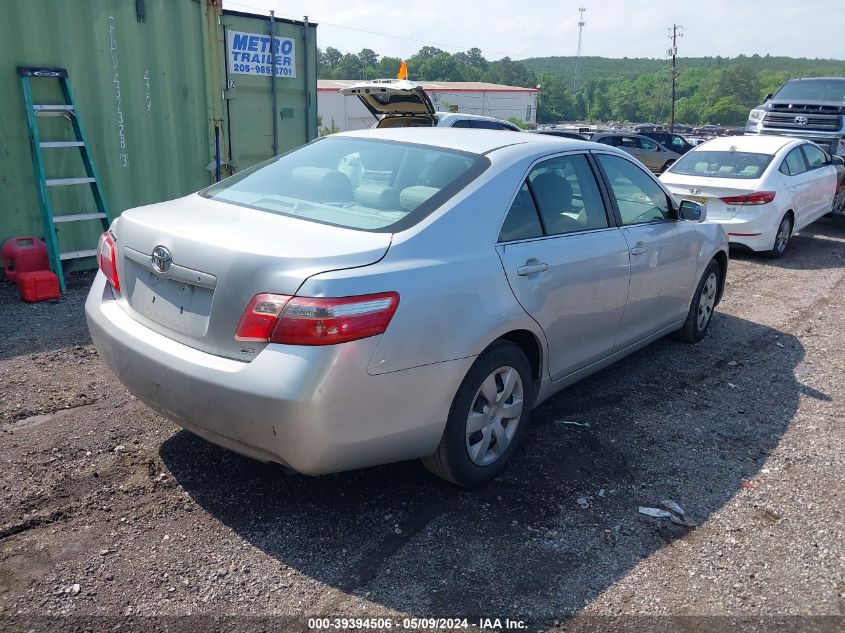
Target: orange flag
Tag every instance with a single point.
(403, 71)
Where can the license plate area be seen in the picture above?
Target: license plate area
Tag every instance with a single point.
(178, 306)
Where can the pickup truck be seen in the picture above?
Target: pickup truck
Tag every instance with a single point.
(813, 109)
(810, 109)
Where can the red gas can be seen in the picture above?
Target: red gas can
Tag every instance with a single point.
(41, 285)
(23, 255)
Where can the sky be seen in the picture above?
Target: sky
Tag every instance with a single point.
(614, 28)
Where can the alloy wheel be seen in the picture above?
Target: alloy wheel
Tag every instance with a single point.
(782, 237)
(494, 415)
(707, 301)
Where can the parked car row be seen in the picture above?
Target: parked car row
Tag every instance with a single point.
(403, 292)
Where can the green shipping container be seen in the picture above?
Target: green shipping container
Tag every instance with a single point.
(159, 85)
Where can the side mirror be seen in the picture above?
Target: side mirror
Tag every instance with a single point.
(837, 160)
(691, 211)
(768, 96)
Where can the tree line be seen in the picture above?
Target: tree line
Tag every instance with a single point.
(709, 89)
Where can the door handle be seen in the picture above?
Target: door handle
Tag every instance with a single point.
(639, 249)
(530, 269)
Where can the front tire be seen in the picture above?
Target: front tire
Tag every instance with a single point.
(487, 419)
(667, 165)
(784, 233)
(702, 306)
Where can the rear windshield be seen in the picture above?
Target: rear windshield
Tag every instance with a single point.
(366, 184)
(713, 164)
(813, 90)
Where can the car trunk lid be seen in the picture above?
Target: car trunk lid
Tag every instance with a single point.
(189, 267)
(709, 192)
(392, 97)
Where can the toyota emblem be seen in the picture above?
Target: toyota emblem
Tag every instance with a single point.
(801, 120)
(161, 259)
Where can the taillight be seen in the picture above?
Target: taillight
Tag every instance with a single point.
(316, 321)
(260, 316)
(760, 197)
(107, 259)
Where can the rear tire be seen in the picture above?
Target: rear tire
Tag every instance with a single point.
(784, 233)
(703, 304)
(480, 437)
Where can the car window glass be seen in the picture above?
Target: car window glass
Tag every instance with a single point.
(567, 195)
(351, 182)
(794, 163)
(485, 125)
(638, 197)
(461, 123)
(609, 140)
(648, 144)
(627, 141)
(678, 141)
(722, 164)
(522, 221)
(815, 157)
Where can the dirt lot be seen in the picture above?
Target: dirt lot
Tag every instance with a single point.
(108, 509)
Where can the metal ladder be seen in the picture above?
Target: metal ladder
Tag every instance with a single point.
(42, 183)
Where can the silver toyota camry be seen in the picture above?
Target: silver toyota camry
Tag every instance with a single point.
(385, 295)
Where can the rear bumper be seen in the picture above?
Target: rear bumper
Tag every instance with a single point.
(314, 409)
(756, 232)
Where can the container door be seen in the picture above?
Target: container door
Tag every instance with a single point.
(252, 118)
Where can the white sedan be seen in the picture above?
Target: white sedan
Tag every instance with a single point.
(762, 189)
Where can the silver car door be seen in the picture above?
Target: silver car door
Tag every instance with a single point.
(663, 250)
(565, 261)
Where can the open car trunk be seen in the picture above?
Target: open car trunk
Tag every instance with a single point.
(393, 97)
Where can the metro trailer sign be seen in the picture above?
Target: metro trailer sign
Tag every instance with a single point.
(250, 54)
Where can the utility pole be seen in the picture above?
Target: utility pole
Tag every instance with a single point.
(581, 24)
(677, 31)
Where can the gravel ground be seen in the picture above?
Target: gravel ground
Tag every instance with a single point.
(107, 509)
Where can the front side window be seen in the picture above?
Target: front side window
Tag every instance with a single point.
(638, 197)
(722, 164)
(648, 144)
(815, 157)
(794, 163)
(358, 183)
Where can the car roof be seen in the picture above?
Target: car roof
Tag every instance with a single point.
(474, 141)
(762, 143)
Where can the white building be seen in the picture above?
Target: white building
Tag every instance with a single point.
(471, 97)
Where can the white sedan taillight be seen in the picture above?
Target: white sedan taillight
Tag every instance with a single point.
(316, 321)
(107, 259)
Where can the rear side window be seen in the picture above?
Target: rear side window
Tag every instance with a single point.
(815, 157)
(481, 124)
(794, 163)
(567, 195)
(522, 221)
(461, 123)
(560, 196)
(358, 183)
(720, 164)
